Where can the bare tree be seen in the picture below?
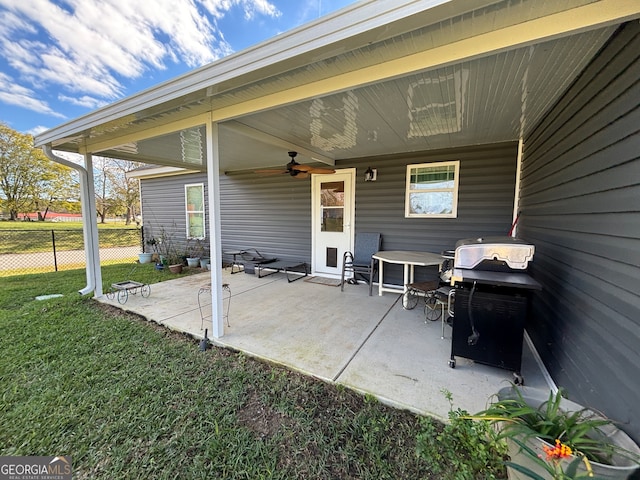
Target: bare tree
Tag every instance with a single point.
(115, 193)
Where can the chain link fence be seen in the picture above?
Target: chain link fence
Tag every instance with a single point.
(38, 251)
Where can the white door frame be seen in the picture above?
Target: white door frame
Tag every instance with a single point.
(315, 212)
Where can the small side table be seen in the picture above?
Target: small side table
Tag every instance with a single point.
(207, 289)
(235, 263)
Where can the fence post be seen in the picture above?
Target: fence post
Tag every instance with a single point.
(53, 242)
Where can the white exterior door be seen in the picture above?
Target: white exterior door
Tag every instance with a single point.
(333, 212)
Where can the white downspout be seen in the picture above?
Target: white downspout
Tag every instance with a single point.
(89, 223)
(215, 236)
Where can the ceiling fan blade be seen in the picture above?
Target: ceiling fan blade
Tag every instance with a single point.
(301, 168)
(310, 169)
(270, 172)
(295, 169)
(325, 171)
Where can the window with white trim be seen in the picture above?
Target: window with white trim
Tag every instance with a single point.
(194, 203)
(432, 190)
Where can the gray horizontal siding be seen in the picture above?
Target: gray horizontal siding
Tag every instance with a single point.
(163, 206)
(273, 214)
(580, 204)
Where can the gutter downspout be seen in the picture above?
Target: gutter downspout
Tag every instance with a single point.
(89, 223)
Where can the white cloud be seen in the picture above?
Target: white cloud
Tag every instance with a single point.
(84, 101)
(37, 130)
(218, 8)
(89, 47)
(13, 94)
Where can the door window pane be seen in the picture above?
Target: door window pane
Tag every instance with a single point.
(332, 219)
(332, 194)
(332, 206)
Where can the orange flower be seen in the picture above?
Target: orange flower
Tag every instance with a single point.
(558, 451)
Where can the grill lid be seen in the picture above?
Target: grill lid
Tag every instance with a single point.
(472, 252)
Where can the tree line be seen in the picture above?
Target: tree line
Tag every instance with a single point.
(31, 182)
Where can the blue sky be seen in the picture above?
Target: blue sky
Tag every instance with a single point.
(64, 58)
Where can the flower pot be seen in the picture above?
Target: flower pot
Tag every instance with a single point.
(193, 261)
(177, 268)
(204, 262)
(621, 469)
(145, 257)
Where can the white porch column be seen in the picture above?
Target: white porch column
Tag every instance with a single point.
(90, 228)
(213, 182)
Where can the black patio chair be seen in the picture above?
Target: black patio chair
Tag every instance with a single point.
(361, 261)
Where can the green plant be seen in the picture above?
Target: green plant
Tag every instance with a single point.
(194, 248)
(462, 448)
(581, 429)
(167, 247)
(553, 463)
(153, 243)
(130, 399)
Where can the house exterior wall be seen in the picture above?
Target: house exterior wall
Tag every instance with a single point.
(580, 204)
(273, 214)
(163, 207)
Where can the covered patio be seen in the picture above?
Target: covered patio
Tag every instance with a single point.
(369, 344)
(536, 100)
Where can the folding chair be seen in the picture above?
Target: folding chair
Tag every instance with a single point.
(361, 261)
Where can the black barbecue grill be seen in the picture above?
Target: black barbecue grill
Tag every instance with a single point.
(492, 295)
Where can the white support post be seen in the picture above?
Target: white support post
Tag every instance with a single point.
(90, 228)
(213, 182)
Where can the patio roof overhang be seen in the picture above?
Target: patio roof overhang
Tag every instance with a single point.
(375, 78)
(378, 77)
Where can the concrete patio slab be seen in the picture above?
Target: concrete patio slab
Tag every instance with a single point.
(370, 344)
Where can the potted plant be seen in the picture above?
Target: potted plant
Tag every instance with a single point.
(175, 263)
(577, 441)
(193, 252)
(168, 252)
(147, 257)
(204, 258)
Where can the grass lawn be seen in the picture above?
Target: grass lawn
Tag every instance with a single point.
(31, 237)
(19, 225)
(129, 399)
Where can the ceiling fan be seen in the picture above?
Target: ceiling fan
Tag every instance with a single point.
(296, 169)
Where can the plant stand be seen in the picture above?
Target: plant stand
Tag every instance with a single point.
(226, 289)
(122, 290)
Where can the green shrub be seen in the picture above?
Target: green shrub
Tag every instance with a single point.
(462, 449)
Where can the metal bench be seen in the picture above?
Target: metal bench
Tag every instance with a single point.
(289, 267)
